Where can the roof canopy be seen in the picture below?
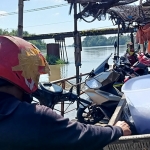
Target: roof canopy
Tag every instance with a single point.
(103, 1)
(120, 11)
(131, 13)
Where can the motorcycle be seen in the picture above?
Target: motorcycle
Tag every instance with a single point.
(103, 96)
(141, 66)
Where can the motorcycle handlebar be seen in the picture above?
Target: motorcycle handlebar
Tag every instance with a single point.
(74, 97)
(49, 98)
(126, 70)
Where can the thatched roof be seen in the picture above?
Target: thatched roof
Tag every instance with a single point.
(132, 13)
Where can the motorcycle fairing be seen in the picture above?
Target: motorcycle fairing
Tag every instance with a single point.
(107, 77)
(99, 97)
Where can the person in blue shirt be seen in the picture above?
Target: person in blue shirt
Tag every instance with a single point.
(26, 126)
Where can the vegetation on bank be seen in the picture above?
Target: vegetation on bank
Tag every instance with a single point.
(53, 60)
(101, 40)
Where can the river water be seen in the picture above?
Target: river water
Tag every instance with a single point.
(91, 57)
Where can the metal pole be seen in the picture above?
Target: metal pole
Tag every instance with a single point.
(140, 2)
(77, 52)
(20, 18)
(118, 39)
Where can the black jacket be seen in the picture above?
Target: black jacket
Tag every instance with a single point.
(25, 126)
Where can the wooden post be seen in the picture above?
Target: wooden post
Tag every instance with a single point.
(62, 103)
(65, 50)
(77, 52)
(20, 18)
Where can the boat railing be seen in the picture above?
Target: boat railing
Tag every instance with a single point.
(67, 84)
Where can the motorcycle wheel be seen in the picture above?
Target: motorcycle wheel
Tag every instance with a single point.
(89, 115)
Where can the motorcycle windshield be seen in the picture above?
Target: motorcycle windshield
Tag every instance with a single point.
(102, 79)
(102, 66)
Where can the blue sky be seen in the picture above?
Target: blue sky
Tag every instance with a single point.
(54, 20)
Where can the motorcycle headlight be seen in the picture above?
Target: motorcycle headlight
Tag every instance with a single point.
(93, 83)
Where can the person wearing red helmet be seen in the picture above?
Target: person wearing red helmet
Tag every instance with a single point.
(25, 126)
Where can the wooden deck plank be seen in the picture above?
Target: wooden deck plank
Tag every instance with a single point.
(117, 113)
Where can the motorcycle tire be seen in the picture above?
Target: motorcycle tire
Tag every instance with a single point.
(94, 115)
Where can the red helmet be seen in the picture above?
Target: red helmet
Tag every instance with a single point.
(21, 63)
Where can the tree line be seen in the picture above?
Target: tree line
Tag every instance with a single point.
(88, 41)
(40, 44)
(101, 40)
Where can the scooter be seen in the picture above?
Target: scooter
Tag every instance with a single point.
(103, 95)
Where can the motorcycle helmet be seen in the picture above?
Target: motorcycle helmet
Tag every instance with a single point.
(21, 63)
(130, 48)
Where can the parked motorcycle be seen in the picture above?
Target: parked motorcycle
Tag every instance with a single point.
(102, 94)
(141, 67)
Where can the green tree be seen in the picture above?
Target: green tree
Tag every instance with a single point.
(38, 43)
(101, 40)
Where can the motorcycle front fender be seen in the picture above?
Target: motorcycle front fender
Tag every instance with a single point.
(82, 104)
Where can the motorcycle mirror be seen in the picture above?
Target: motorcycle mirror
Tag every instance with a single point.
(71, 89)
(93, 83)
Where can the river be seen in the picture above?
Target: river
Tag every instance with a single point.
(91, 57)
